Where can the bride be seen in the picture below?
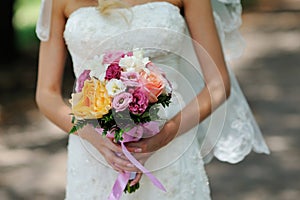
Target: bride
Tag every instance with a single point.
(208, 117)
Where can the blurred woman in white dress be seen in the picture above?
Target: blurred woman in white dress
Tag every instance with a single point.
(209, 115)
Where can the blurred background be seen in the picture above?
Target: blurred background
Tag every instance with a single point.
(33, 151)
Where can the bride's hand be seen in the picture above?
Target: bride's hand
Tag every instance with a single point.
(145, 147)
(154, 143)
(141, 158)
(110, 151)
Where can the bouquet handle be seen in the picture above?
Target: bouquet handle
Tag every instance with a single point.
(123, 178)
(132, 159)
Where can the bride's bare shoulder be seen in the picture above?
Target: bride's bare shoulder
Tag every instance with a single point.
(58, 7)
(72, 5)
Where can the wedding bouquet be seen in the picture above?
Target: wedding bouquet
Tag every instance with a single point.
(121, 94)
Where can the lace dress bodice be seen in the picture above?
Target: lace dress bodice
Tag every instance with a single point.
(89, 33)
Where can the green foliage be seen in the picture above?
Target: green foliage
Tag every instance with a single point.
(78, 124)
(131, 189)
(164, 100)
(24, 21)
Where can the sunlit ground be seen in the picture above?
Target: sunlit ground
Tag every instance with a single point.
(33, 151)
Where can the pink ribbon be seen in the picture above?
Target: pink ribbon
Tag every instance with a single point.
(144, 130)
(132, 159)
(119, 186)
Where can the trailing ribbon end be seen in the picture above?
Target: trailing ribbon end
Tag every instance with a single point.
(119, 186)
(123, 178)
(154, 180)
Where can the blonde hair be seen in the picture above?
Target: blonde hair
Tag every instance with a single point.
(105, 6)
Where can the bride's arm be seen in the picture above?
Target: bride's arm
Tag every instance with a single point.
(200, 21)
(201, 24)
(51, 64)
(52, 56)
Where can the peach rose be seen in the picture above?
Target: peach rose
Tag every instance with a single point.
(93, 102)
(153, 83)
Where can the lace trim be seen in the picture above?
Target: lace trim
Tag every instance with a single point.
(240, 133)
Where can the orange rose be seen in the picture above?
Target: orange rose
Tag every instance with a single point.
(93, 102)
(153, 83)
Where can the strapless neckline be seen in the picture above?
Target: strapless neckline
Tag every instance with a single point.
(156, 24)
(137, 6)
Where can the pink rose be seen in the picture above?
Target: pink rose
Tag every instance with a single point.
(139, 101)
(113, 71)
(154, 68)
(153, 82)
(121, 101)
(130, 79)
(80, 81)
(114, 56)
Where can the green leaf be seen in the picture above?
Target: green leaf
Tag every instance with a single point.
(131, 189)
(164, 100)
(73, 130)
(78, 125)
(73, 119)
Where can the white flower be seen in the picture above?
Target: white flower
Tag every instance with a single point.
(96, 66)
(141, 61)
(127, 62)
(75, 98)
(114, 87)
(168, 86)
(134, 63)
(138, 53)
(102, 77)
(168, 89)
(145, 61)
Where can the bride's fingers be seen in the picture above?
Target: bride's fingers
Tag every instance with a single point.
(121, 155)
(136, 179)
(116, 168)
(113, 146)
(142, 156)
(128, 169)
(115, 161)
(125, 165)
(134, 149)
(120, 163)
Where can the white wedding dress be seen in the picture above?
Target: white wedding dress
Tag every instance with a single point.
(229, 134)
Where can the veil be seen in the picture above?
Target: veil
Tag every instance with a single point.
(43, 24)
(238, 133)
(227, 14)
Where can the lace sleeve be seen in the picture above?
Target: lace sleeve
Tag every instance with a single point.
(44, 20)
(227, 14)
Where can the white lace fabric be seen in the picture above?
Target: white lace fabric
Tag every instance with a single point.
(160, 28)
(117, 33)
